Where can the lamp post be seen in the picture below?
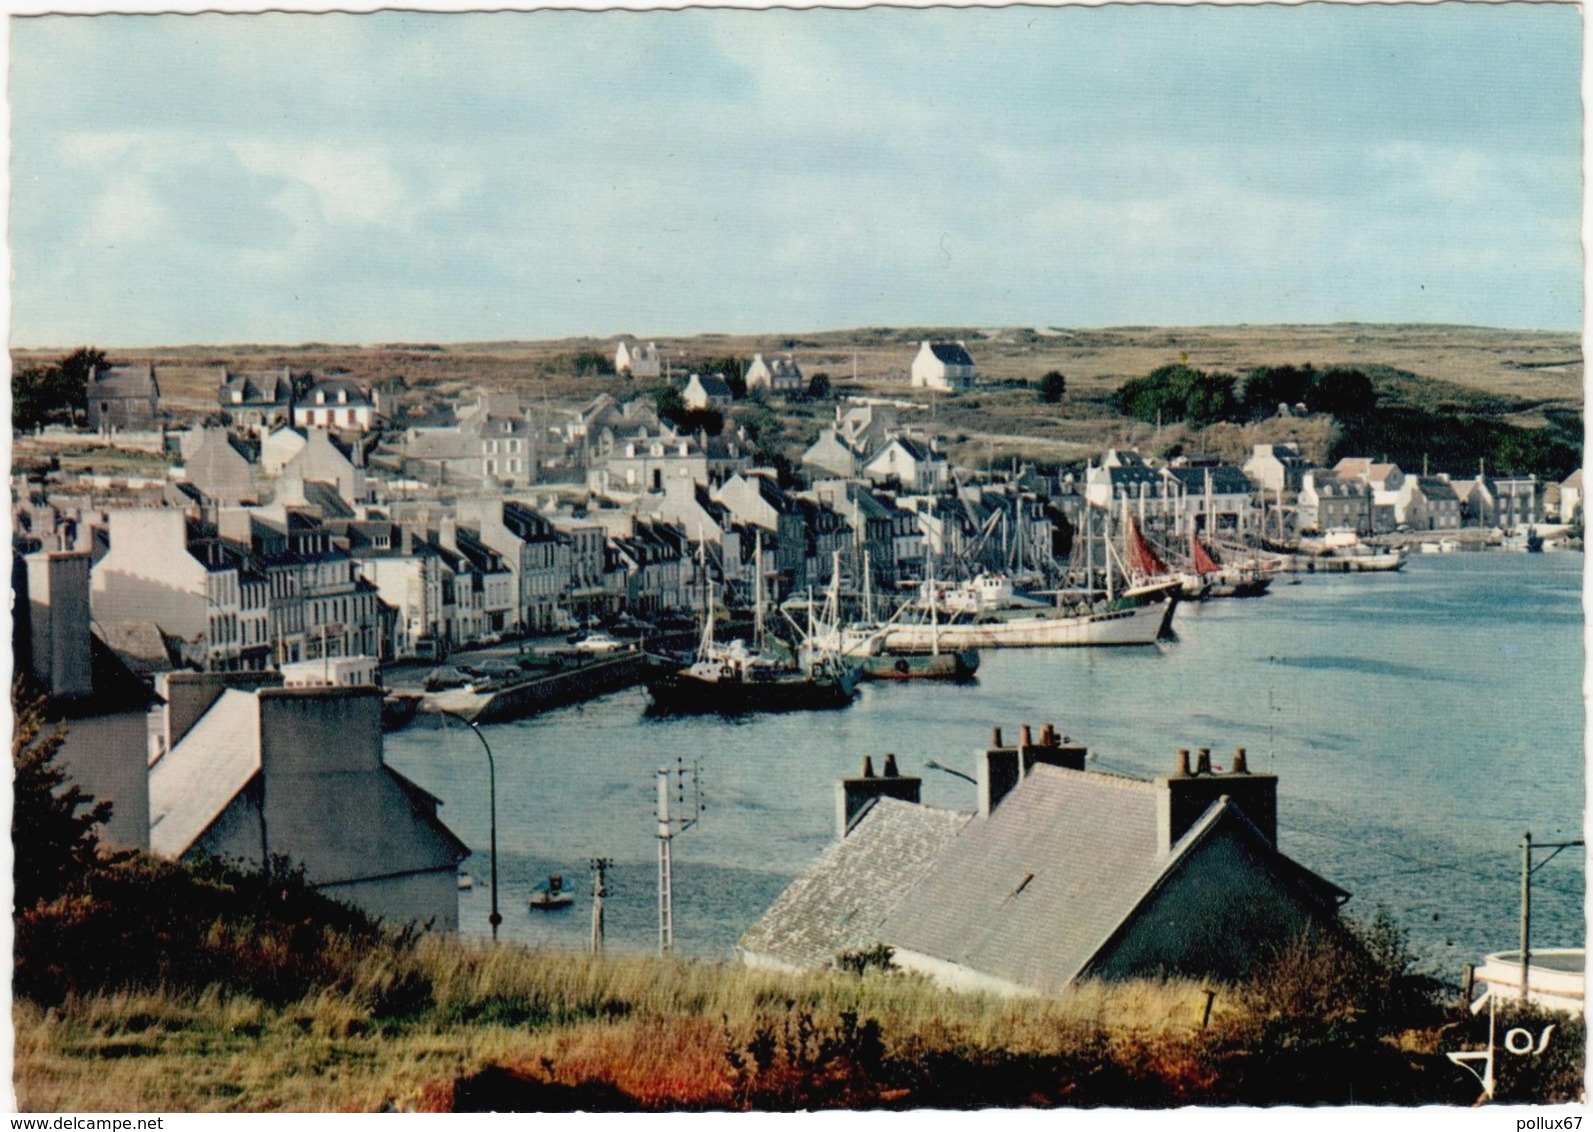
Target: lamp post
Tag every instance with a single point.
(492, 802)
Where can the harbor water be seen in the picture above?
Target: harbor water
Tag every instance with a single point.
(1419, 723)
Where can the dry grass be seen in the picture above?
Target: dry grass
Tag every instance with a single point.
(656, 1029)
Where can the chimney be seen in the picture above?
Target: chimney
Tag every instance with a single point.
(58, 622)
(1183, 798)
(853, 795)
(448, 533)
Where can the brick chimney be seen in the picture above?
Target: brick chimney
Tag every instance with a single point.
(852, 795)
(1185, 796)
(1001, 768)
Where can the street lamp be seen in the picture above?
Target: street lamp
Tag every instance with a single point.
(492, 801)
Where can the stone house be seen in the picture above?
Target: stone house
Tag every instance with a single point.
(123, 398)
(246, 775)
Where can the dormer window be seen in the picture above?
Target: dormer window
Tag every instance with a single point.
(320, 396)
(342, 396)
(237, 396)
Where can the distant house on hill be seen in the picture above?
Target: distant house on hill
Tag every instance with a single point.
(943, 365)
(637, 360)
(336, 403)
(777, 375)
(1061, 874)
(707, 391)
(123, 397)
(257, 401)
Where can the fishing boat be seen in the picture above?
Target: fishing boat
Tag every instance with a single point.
(1227, 581)
(550, 894)
(1137, 614)
(735, 678)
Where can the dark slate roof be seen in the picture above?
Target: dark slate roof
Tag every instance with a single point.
(951, 353)
(323, 497)
(125, 382)
(262, 387)
(713, 385)
(839, 903)
(917, 449)
(1436, 489)
(332, 386)
(1225, 479)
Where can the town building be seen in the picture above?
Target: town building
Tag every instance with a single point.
(336, 403)
(1276, 467)
(1329, 502)
(257, 401)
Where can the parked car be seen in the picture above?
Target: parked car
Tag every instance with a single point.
(442, 679)
(599, 643)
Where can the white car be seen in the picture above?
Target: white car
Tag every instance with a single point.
(598, 643)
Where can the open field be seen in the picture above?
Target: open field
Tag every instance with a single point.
(1533, 367)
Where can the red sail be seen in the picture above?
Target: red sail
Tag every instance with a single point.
(1141, 558)
(1204, 562)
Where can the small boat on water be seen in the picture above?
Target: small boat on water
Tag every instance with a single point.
(550, 894)
(953, 664)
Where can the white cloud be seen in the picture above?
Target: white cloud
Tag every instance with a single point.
(351, 185)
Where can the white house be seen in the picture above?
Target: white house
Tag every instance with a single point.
(943, 365)
(1571, 497)
(336, 402)
(637, 360)
(708, 391)
(777, 375)
(911, 463)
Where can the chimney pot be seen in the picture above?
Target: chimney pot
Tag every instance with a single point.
(1048, 735)
(1183, 761)
(868, 766)
(1240, 766)
(1027, 739)
(1203, 761)
(995, 737)
(890, 767)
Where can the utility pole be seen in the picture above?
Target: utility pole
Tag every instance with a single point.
(1527, 869)
(599, 890)
(669, 825)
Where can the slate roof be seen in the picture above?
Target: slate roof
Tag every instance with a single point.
(713, 385)
(950, 353)
(839, 903)
(1225, 480)
(196, 780)
(259, 387)
(118, 382)
(332, 386)
(1437, 490)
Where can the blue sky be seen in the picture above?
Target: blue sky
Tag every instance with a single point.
(402, 176)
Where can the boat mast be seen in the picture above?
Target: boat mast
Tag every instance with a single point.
(757, 591)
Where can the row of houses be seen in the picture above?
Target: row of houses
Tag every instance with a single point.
(126, 398)
(937, 365)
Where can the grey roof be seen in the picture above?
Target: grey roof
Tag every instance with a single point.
(713, 385)
(951, 353)
(125, 382)
(1436, 489)
(259, 387)
(1225, 479)
(332, 386)
(839, 903)
(197, 779)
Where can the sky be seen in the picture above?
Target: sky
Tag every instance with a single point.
(436, 177)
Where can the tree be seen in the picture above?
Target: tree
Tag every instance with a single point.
(1178, 392)
(669, 402)
(52, 819)
(54, 394)
(819, 387)
(1342, 393)
(1052, 386)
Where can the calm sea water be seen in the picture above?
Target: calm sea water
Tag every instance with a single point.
(1419, 722)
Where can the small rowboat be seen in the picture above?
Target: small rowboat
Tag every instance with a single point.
(551, 894)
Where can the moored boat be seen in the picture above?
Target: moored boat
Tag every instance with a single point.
(550, 894)
(951, 664)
